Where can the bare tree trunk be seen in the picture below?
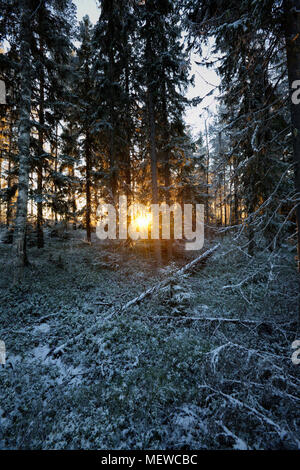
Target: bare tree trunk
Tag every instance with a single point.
(114, 164)
(128, 143)
(56, 168)
(225, 197)
(153, 156)
(24, 137)
(235, 191)
(9, 178)
(223, 203)
(166, 163)
(207, 176)
(73, 200)
(152, 142)
(230, 193)
(153, 153)
(40, 234)
(88, 186)
(251, 243)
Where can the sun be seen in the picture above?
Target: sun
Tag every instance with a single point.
(143, 221)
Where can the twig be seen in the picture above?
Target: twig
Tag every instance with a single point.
(230, 320)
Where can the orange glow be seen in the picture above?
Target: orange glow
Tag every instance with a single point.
(143, 221)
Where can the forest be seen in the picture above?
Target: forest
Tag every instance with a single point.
(121, 327)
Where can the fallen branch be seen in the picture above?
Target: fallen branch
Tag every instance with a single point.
(159, 285)
(108, 304)
(265, 355)
(253, 411)
(93, 330)
(229, 320)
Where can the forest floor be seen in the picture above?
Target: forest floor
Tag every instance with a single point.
(168, 373)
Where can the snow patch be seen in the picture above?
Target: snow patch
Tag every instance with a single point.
(42, 328)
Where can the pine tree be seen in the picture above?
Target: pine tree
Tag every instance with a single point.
(248, 35)
(164, 70)
(85, 112)
(114, 64)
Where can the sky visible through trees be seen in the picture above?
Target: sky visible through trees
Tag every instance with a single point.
(203, 76)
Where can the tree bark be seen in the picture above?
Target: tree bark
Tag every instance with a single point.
(207, 176)
(152, 143)
(128, 133)
(24, 137)
(88, 186)
(166, 162)
(9, 177)
(40, 234)
(235, 190)
(114, 164)
(55, 169)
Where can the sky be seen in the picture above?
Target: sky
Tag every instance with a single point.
(87, 7)
(194, 116)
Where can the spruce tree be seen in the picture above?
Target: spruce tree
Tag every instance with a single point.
(43, 52)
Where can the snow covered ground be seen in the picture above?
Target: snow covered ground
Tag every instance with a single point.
(171, 372)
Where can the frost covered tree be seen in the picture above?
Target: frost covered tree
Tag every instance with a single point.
(114, 61)
(27, 9)
(249, 37)
(164, 77)
(51, 52)
(85, 110)
(42, 39)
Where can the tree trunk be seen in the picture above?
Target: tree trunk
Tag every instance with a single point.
(153, 156)
(74, 206)
(55, 169)
(40, 234)
(152, 142)
(112, 116)
(128, 143)
(166, 163)
(235, 190)
(24, 137)
(9, 177)
(207, 176)
(88, 186)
